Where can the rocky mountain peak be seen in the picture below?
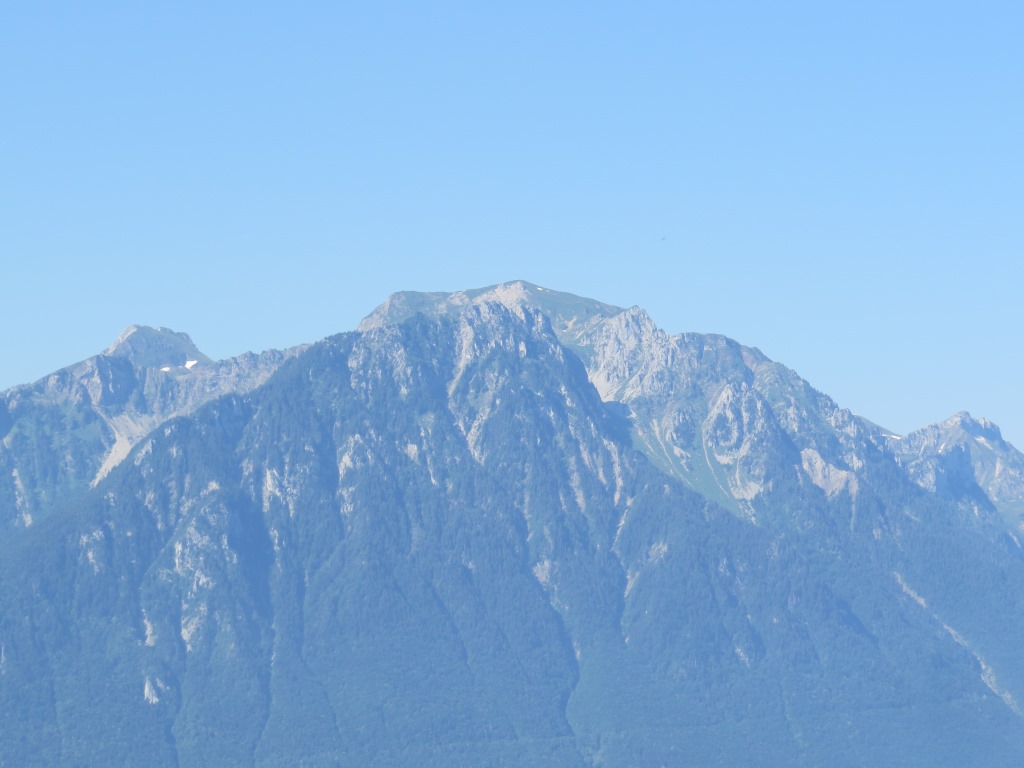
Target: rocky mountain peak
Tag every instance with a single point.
(976, 428)
(494, 528)
(959, 428)
(570, 315)
(996, 466)
(148, 347)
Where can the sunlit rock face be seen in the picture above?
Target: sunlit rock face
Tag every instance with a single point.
(66, 431)
(967, 459)
(507, 526)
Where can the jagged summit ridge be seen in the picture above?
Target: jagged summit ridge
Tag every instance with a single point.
(732, 424)
(96, 410)
(149, 347)
(968, 457)
(728, 421)
(463, 536)
(567, 312)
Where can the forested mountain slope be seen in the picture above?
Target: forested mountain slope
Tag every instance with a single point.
(507, 527)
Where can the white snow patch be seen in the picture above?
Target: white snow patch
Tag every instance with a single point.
(190, 364)
(412, 451)
(149, 692)
(166, 368)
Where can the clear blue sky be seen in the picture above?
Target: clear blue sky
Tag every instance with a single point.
(839, 184)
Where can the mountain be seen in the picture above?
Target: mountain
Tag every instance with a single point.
(731, 424)
(156, 348)
(968, 459)
(506, 527)
(68, 430)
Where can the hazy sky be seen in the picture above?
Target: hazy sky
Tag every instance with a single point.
(839, 184)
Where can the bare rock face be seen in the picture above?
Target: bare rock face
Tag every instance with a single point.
(156, 348)
(740, 428)
(67, 431)
(506, 526)
(968, 459)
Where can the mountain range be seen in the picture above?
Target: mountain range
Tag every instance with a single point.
(505, 526)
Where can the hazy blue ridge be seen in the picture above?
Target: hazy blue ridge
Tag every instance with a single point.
(503, 527)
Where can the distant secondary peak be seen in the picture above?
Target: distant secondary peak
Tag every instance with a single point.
(979, 427)
(960, 428)
(961, 417)
(149, 347)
